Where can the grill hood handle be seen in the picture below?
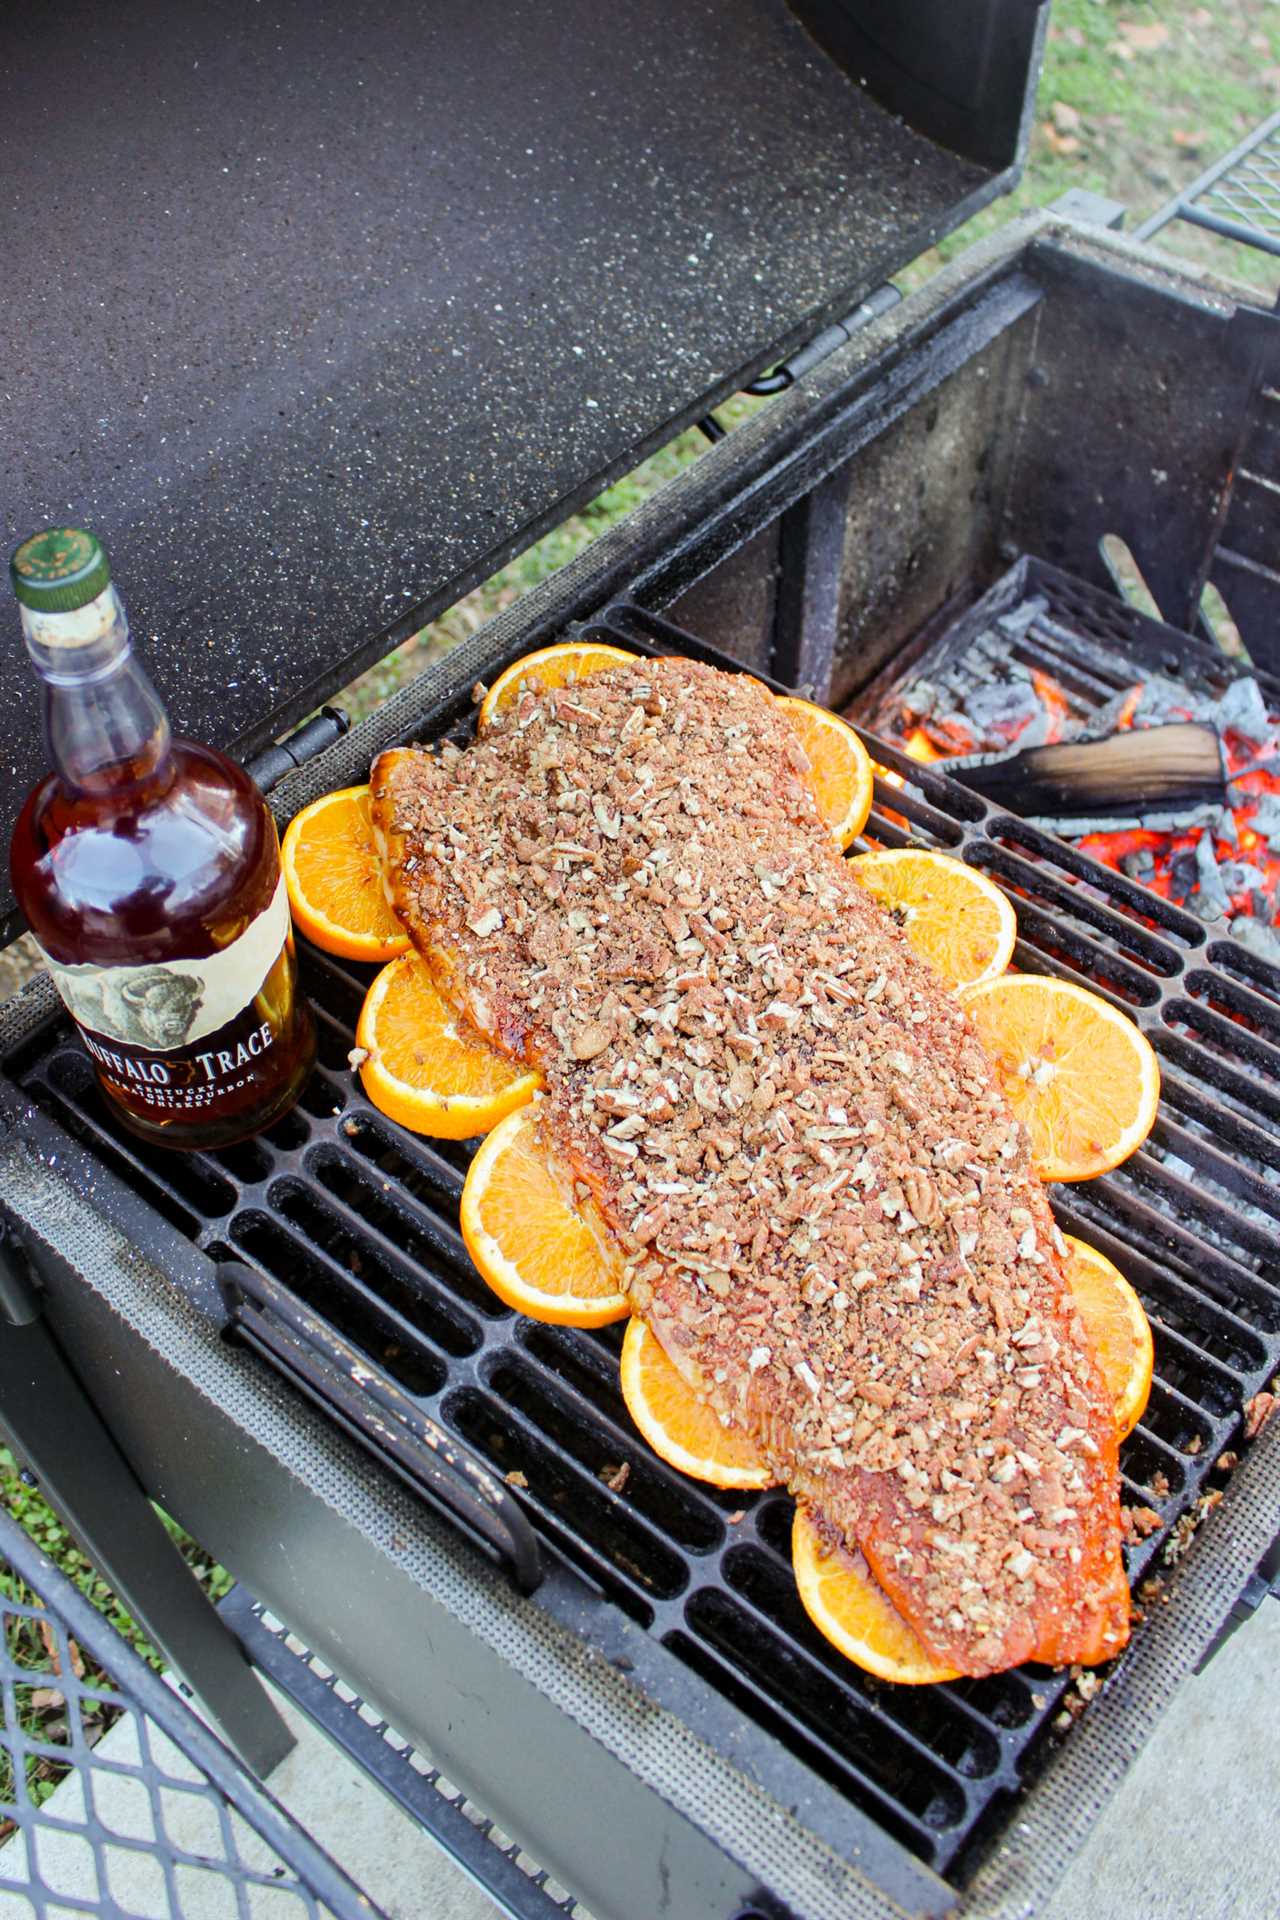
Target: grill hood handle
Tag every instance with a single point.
(356, 1395)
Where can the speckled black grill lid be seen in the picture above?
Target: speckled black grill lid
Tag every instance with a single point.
(316, 312)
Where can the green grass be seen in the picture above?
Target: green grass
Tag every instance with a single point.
(1135, 101)
(40, 1705)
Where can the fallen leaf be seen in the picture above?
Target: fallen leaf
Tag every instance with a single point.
(1143, 36)
(515, 1478)
(1194, 141)
(45, 1697)
(1065, 118)
(1200, 17)
(1074, 36)
(1060, 143)
(1121, 49)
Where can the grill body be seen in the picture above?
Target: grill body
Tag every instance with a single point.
(651, 1723)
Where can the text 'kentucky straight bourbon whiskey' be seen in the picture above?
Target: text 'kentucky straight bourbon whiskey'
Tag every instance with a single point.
(148, 868)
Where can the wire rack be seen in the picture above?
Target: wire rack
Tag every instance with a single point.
(1237, 198)
(114, 1798)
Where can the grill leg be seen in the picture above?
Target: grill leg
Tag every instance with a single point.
(50, 1423)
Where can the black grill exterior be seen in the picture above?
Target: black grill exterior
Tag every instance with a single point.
(337, 1233)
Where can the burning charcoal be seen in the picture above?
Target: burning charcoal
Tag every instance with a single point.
(999, 715)
(1163, 700)
(1237, 876)
(1243, 709)
(1265, 763)
(1257, 938)
(1210, 900)
(1182, 822)
(1265, 820)
(1183, 873)
(920, 699)
(1018, 622)
(1140, 866)
(1077, 826)
(1107, 718)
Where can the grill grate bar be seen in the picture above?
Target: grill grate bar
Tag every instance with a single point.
(716, 1649)
(1231, 1174)
(706, 1573)
(442, 1243)
(1209, 1070)
(1145, 1171)
(1184, 1097)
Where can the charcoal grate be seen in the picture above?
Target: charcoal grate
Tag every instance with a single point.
(358, 1220)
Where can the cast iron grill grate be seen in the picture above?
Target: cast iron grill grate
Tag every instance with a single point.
(359, 1220)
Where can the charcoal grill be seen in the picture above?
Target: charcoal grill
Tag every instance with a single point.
(292, 1347)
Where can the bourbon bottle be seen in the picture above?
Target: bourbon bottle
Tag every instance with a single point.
(148, 868)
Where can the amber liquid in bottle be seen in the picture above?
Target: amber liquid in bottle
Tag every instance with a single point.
(148, 868)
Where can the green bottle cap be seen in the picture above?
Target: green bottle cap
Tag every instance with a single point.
(60, 569)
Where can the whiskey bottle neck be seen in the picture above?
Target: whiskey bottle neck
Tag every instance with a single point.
(104, 723)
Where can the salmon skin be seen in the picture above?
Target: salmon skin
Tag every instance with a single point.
(827, 1208)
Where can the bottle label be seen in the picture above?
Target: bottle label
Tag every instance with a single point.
(186, 1032)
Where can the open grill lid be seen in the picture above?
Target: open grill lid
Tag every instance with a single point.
(318, 314)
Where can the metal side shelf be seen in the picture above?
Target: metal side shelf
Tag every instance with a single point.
(1238, 197)
(496, 1863)
(114, 1797)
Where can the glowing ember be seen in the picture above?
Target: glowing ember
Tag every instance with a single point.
(1124, 719)
(1223, 869)
(1060, 718)
(920, 747)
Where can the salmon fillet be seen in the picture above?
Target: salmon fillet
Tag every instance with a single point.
(827, 1208)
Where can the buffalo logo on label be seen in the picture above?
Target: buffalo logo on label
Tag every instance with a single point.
(152, 1008)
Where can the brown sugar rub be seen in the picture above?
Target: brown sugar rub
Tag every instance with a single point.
(828, 1209)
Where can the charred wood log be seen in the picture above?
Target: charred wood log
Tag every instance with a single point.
(1149, 767)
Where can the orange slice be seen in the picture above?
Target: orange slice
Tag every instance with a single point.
(683, 1430)
(536, 1249)
(334, 879)
(840, 1596)
(424, 1068)
(1118, 1329)
(953, 916)
(1077, 1072)
(840, 767)
(553, 667)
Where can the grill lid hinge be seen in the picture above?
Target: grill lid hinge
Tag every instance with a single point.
(807, 357)
(284, 757)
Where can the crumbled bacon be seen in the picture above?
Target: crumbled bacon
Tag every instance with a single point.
(792, 1129)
